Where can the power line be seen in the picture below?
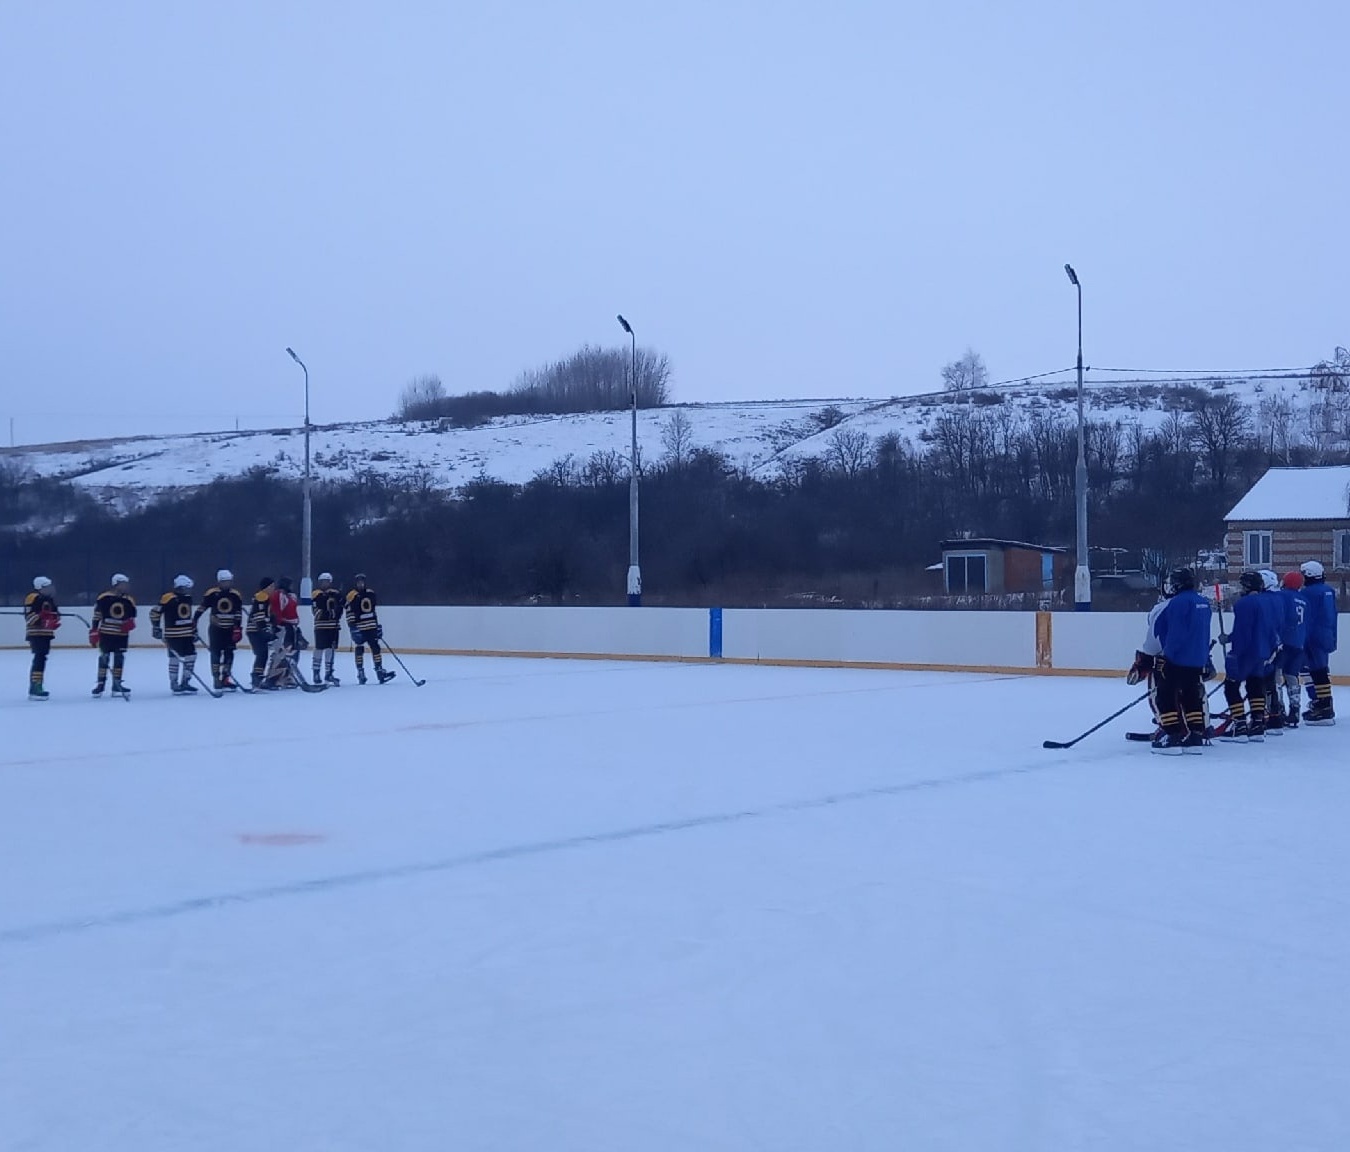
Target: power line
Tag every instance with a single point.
(1201, 371)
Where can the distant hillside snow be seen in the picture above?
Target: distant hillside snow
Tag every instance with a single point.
(762, 437)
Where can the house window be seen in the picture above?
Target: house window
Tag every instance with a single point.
(1341, 548)
(1256, 549)
(967, 573)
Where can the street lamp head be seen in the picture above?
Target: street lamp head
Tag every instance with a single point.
(1073, 276)
(625, 325)
(291, 353)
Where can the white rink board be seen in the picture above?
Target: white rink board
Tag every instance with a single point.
(1089, 641)
(974, 639)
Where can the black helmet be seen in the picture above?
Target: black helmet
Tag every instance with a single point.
(1179, 580)
(265, 582)
(1251, 582)
(284, 583)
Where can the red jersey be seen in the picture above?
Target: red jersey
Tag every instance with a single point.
(285, 607)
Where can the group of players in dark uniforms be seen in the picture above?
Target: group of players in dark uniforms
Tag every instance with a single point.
(1282, 628)
(270, 619)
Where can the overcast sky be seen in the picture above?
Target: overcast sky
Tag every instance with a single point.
(789, 199)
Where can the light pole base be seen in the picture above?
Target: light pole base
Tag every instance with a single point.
(306, 590)
(1082, 590)
(634, 586)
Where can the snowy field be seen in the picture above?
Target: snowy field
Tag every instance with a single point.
(595, 906)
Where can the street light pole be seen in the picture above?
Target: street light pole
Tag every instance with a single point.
(306, 579)
(1082, 577)
(634, 572)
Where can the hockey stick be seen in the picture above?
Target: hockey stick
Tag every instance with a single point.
(197, 676)
(402, 665)
(300, 681)
(1090, 731)
(72, 615)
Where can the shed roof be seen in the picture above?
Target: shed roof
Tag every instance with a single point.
(993, 542)
(1297, 494)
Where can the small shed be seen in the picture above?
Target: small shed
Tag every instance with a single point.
(1291, 515)
(986, 565)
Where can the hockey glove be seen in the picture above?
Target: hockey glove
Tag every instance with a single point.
(156, 631)
(128, 626)
(1142, 666)
(1209, 671)
(93, 637)
(236, 636)
(49, 620)
(356, 638)
(379, 631)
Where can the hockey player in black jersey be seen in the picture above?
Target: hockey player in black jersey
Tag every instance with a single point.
(114, 620)
(327, 608)
(172, 621)
(41, 619)
(364, 622)
(224, 627)
(260, 631)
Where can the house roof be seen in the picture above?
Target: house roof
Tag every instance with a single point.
(992, 542)
(1297, 494)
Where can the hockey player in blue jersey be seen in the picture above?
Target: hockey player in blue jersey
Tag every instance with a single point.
(1320, 599)
(1274, 607)
(1293, 639)
(1251, 643)
(1182, 629)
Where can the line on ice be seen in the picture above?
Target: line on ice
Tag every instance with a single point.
(28, 934)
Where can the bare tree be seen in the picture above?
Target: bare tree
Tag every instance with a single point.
(849, 451)
(1276, 415)
(967, 374)
(1220, 426)
(420, 398)
(604, 468)
(677, 437)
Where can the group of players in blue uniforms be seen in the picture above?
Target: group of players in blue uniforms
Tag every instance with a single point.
(269, 619)
(1282, 629)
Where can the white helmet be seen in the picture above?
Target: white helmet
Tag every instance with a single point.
(121, 578)
(1270, 580)
(224, 574)
(182, 582)
(41, 582)
(1311, 569)
(326, 576)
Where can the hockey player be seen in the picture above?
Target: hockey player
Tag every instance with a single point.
(41, 619)
(260, 631)
(1253, 639)
(1293, 639)
(364, 622)
(1274, 608)
(172, 621)
(1145, 662)
(1182, 629)
(224, 627)
(114, 621)
(327, 608)
(284, 610)
(1321, 620)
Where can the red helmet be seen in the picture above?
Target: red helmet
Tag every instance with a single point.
(1293, 580)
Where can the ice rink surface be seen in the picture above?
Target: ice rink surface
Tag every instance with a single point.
(597, 906)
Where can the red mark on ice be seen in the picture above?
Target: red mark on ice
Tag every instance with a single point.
(281, 839)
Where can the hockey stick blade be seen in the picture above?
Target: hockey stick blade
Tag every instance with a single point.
(1099, 724)
(215, 695)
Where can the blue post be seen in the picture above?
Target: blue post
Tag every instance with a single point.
(715, 633)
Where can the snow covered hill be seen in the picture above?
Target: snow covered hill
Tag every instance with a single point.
(762, 437)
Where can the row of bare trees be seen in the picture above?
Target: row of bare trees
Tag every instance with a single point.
(589, 380)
